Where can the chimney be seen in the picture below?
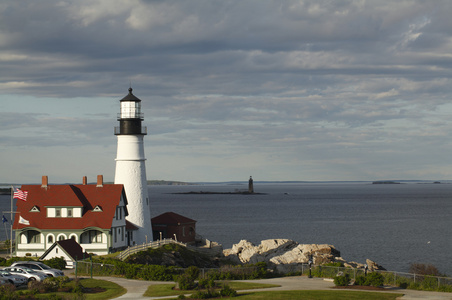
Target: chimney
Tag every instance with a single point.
(85, 180)
(100, 181)
(45, 181)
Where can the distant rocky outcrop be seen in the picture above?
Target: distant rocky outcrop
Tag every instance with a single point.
(284, 255)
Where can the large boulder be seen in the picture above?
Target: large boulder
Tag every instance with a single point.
(278, 253)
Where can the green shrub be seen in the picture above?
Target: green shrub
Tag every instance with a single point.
(374, 279)
(7, 292)
(56, 263)
(226, 291)
(206, 283)
(192, 272)
(343, 280)
(360, 280)
(429, 283)
(205, 295)
(185, 282)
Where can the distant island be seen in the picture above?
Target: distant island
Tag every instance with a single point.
(219, 193)
(165, 182)
(385, 182)
(5, 191)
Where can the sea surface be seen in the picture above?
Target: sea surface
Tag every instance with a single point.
(392, 224)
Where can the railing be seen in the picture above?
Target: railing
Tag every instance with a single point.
(144, 130)
(130, 115)
(135, 249)
(391, 278)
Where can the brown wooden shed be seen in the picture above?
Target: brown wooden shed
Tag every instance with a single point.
(170, 225)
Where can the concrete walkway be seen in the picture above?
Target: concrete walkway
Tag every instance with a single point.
(136, 288)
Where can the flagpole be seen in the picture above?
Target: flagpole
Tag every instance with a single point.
(11, 218)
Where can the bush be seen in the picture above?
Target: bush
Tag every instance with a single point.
(185, 282)
(56, 263)
(374, 279)
(206, 283)
(343, 280)
(226, 291)
(424, 269)
(7, 292)
(360, 280)
(205, 295)
(192, 272)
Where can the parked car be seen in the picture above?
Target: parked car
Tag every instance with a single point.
(17, 280)
(38, 266)
(30, 274)
(3, 281)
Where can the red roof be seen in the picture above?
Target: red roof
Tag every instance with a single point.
(171, 218)
(107, 197)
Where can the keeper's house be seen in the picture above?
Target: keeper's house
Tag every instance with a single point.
(91, 214)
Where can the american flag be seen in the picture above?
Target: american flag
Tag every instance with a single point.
(22, 195)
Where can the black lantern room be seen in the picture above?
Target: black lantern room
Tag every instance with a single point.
(130, 116)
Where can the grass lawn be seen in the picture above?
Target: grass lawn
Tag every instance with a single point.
(319, 295)
(161, 290)
(112, 290)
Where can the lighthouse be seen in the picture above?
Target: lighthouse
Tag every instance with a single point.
(131, 169)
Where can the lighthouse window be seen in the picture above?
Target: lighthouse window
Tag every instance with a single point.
(57, 212)
(69, 212)
(130, 109)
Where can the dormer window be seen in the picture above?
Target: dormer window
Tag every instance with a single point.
(35, 209)
(57, 212)
(97, 209)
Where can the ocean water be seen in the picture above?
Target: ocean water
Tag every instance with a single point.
(393, 225)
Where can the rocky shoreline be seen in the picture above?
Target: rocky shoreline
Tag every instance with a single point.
(284, 255)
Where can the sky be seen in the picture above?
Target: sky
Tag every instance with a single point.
(278, 90)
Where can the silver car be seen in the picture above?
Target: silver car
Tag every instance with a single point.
(17, 280)
(38, 266)
(30, 274)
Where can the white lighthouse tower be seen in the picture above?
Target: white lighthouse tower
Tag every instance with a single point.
(131, 169)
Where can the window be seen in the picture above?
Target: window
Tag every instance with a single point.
(34, 209)
(61, 237)
(57, 212)
(69, 212)
(50, 239)
(33, 237)
(95, 236)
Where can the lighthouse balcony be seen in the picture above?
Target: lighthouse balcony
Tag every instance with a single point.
(130, 115)
(140, 130)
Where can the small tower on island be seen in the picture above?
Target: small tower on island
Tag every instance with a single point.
(250, 185)
(131, 169)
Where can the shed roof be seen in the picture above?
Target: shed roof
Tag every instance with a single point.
(171, 218)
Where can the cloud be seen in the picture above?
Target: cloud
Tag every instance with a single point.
(300, 89)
